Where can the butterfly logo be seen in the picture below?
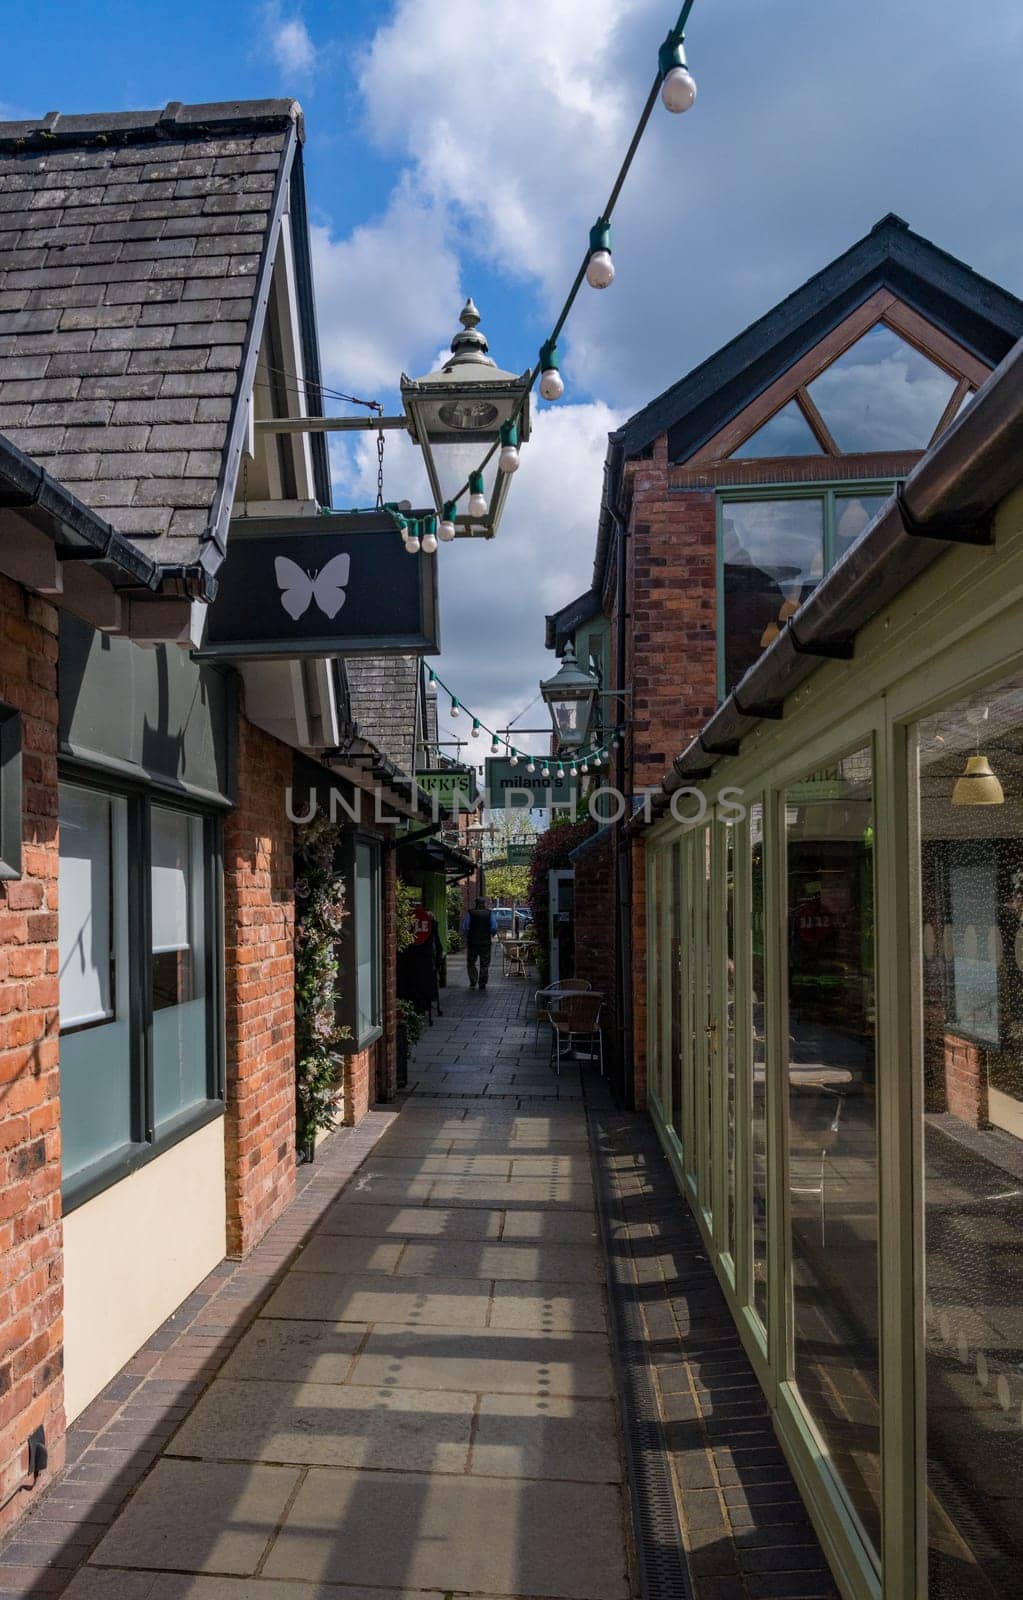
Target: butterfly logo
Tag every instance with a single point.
(299, 589)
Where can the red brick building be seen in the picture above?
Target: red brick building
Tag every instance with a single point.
(726, 500)
(155, 303)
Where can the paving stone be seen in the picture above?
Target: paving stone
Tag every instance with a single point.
(524, 1262)
(550, 1227)
(314, 1352)
(197, 1515)
(530, 1194)
(494, 1536)
(411, 1222)
(488, 1361)
(332, 1253)
(328, 1425)
(331, 1297)
(524, 1436)
(548, 1307)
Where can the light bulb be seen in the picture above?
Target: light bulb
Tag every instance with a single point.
(412, 542)
(600, 270)
(573, 771)
(454, 708)
(446, 530)
(531, 765)
(475, 728)
(477, 499)
(508, 461)
(678, 91)
(429, 542)
(513, 759)
(552, 385)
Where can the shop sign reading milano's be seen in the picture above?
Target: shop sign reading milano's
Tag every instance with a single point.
(334, 584)
(514, 789)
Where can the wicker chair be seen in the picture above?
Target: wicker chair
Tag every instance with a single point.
(576, 1017)
(563, 986)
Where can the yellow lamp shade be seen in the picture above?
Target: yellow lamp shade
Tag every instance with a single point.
(978, 785)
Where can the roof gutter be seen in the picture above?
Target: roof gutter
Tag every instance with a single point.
(949, 498)
(30, 488)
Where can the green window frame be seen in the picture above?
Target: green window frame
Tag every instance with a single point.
(831, 493)
(150, 1119)
(360, 1002)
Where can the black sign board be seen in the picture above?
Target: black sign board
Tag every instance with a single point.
(335, 584)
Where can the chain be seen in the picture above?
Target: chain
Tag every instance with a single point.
(380, 469)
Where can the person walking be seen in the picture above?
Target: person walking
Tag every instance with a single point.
(479, 926)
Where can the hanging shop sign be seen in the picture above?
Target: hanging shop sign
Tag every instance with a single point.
(520, 855)
(454, 787)
(336, 584)
(511, 788)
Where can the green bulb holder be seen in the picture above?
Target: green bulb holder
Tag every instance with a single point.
(476, 483)
(600, 236)
(671, 54)
(450, 510)
(549, 359)
(509, 436)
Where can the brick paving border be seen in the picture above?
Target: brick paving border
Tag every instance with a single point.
(746, 1531)
(115, 1441)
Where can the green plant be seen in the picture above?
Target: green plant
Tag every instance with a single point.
(320, 911)
(406, 898)
(413, 1020)
(454, 936)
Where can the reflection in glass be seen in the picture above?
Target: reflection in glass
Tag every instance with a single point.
(881, 394)
(758, 1132)
(787, 433)
(95, 1045)
(730, 1029)
(180, 1046)
(832, 1119)
(367, 936)
(674, 865)
(773, 554)
(852, 514)
(710, 1022)
(971, 905)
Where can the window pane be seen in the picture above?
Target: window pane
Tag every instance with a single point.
(704, 1040)
(758, 1135)
(787, 433)
(95, 1048)
(832, 1119)
(676, 859)
(971, 903)
(773, 554)
(852, 513)
(367, 937)
(881, 394)
(180, 1045)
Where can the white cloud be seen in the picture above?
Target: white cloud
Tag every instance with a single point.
(386, 295)
(288, 42)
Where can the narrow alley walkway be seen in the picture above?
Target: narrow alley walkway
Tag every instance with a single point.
(426, 1402)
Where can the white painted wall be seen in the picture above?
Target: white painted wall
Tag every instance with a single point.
(134, 1253)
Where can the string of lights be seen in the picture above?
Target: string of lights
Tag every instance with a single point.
(579, 764)
(676, 87)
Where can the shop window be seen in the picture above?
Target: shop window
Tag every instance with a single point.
(881, 394)
(774, 551)
(677, 999)
(758, 1020)
(730, 1032)
(138, 1035)
(971, 944)
(787, 433)
(10, 792)
(832, 1120)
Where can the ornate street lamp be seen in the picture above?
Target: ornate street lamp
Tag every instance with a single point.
(456, 415)
(571, 695)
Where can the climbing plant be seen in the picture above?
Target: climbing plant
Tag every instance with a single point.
(406, 898)
(320, 911)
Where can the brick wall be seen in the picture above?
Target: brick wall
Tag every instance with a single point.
(259, 907)
(671, 650)
(31, 1387)
(595, 928)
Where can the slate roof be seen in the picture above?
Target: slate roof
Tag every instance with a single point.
(135, 254)
(979, 314)
(384, 692)
(562, 624)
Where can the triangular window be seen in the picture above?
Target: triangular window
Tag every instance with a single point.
(787, 433)
(881, 394)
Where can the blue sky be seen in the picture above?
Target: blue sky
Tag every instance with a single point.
(464, 146)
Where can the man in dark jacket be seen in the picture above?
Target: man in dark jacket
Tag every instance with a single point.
(479, 926)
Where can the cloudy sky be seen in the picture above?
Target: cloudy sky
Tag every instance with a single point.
(465, 146)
